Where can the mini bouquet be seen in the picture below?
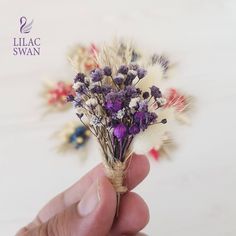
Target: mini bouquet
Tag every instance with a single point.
(173, 104)
(110, 104)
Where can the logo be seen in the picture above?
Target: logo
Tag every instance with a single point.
(24, 27)
(26, 46)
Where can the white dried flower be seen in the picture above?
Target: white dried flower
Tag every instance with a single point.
(120, 114)
(132, 72)
(92, 102)
(133, 102)
(77, 85)
(94, 120)
(161, 101)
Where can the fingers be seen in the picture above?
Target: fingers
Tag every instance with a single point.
(133, 215)
(93, 215)
(137, 170)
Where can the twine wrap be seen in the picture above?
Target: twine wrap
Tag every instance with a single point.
(116, 172)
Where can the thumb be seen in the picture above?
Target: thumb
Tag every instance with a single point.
(93, 215)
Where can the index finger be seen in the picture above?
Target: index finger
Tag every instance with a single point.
(137, 171)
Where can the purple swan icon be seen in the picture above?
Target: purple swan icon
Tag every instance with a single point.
(24, 27)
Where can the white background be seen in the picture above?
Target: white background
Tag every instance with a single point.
(192, 194)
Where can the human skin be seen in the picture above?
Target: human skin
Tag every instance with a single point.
(88, 207)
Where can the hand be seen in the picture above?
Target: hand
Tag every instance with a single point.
(88, 207)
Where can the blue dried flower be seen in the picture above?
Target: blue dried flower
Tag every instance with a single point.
(120, 131)
(97, 75)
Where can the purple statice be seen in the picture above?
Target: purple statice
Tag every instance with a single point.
(146, 95)
(134, 129)
(97, 75)
(155, 92)
(81, 89)
(141, 73)
(106, 89)
(123, 69)
(119, 79)
(131, 91)
(107, 71)
(120, 131)
(152, 116)
(143, 105)
(113, 105)
(96, 89)
(79, 78)
(70, 98)
(78, 102)
(140, 118)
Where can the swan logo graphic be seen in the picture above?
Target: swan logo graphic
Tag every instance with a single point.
(24, 27)
(26, 44)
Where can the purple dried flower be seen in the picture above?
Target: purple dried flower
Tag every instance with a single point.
(107, 71)
(114, 105)
(79, 78)
(96, 89)
(155, 92)
(146, 95)
(128, 80)
(139, 116)
(141, 73)
(106, 89)
(134, 129)
(131, 91)
(123, 69)
(120, 131)
(70, 98)
(81, 89)
(143, 106)
(77, 102)
(118, 80)
(97, 75)
(141, 119)
(152, 116)
(131, 74)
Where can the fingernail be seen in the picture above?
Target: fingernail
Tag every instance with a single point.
(90, 200)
